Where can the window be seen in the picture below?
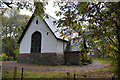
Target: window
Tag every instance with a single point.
(36, 42)
(47, 33)
(36, 21)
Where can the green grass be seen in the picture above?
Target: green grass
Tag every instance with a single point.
(107, 72)
(107, 61)
(100, 59)
(35, 74)
(104, 73)
(58, 74)
(9, 61)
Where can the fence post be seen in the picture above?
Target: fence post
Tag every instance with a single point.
(15, 73)
(68, 74)
(112, 78)
(74, 77)
(22, 74)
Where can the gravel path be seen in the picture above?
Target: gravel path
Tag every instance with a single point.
(96, 65)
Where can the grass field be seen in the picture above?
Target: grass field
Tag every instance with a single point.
(60, 74)
(107, 61)
(104, 73)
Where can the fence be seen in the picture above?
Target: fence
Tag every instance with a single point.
(74, 77)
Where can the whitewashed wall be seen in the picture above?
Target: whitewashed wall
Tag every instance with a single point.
(49, 44)
(75, 45)
(59, 46)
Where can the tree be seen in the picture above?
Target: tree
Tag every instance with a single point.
(14, 24)
(37, 7)
(12, 27)
(98, 22)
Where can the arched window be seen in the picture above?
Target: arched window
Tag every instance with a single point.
(36, 42)
(36, 21)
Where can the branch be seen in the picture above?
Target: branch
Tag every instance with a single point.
(8, 4)
(112, 42)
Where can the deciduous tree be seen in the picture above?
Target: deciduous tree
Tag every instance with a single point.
(98, 22)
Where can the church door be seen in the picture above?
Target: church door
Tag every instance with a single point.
(36, 42)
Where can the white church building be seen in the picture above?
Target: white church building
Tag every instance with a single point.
(41, 44)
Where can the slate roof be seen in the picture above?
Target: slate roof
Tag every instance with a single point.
(50, 25)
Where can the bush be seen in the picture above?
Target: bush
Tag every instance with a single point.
(16, 53)
(89, 60)
(68, 64)
(0, 57)
(11, 58)
(4, 57)
(85, 60)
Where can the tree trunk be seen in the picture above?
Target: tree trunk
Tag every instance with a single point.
(118, 38)
(14, 57)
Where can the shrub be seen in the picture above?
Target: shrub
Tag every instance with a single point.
(85, 60)
(11, 58)
(0, 57)
(89, 60)
(68, 64)
(4, 57)
(16, 53)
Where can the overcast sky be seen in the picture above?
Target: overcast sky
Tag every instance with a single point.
(49, 10)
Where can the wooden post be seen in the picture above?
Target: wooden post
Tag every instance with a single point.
(74, 77)
(112, 77)
(68, 74)
(22, 74)
(15, 73)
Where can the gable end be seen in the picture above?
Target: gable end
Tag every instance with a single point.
(27, 26)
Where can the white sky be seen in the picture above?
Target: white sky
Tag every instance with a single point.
(26, 12)
(49, 10)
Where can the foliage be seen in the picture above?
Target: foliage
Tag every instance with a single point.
(85, 60)
(4, 5)
(16, 51)
(13, 25)
(4, 57)
(68, 64)
(96, 22)
(89, 60)
(5, 46)
(37, 7)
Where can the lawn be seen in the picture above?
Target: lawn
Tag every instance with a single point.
(107, 72)
(107, 61)
(100, 59)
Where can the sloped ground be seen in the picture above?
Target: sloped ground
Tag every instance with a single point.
(96, 65)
